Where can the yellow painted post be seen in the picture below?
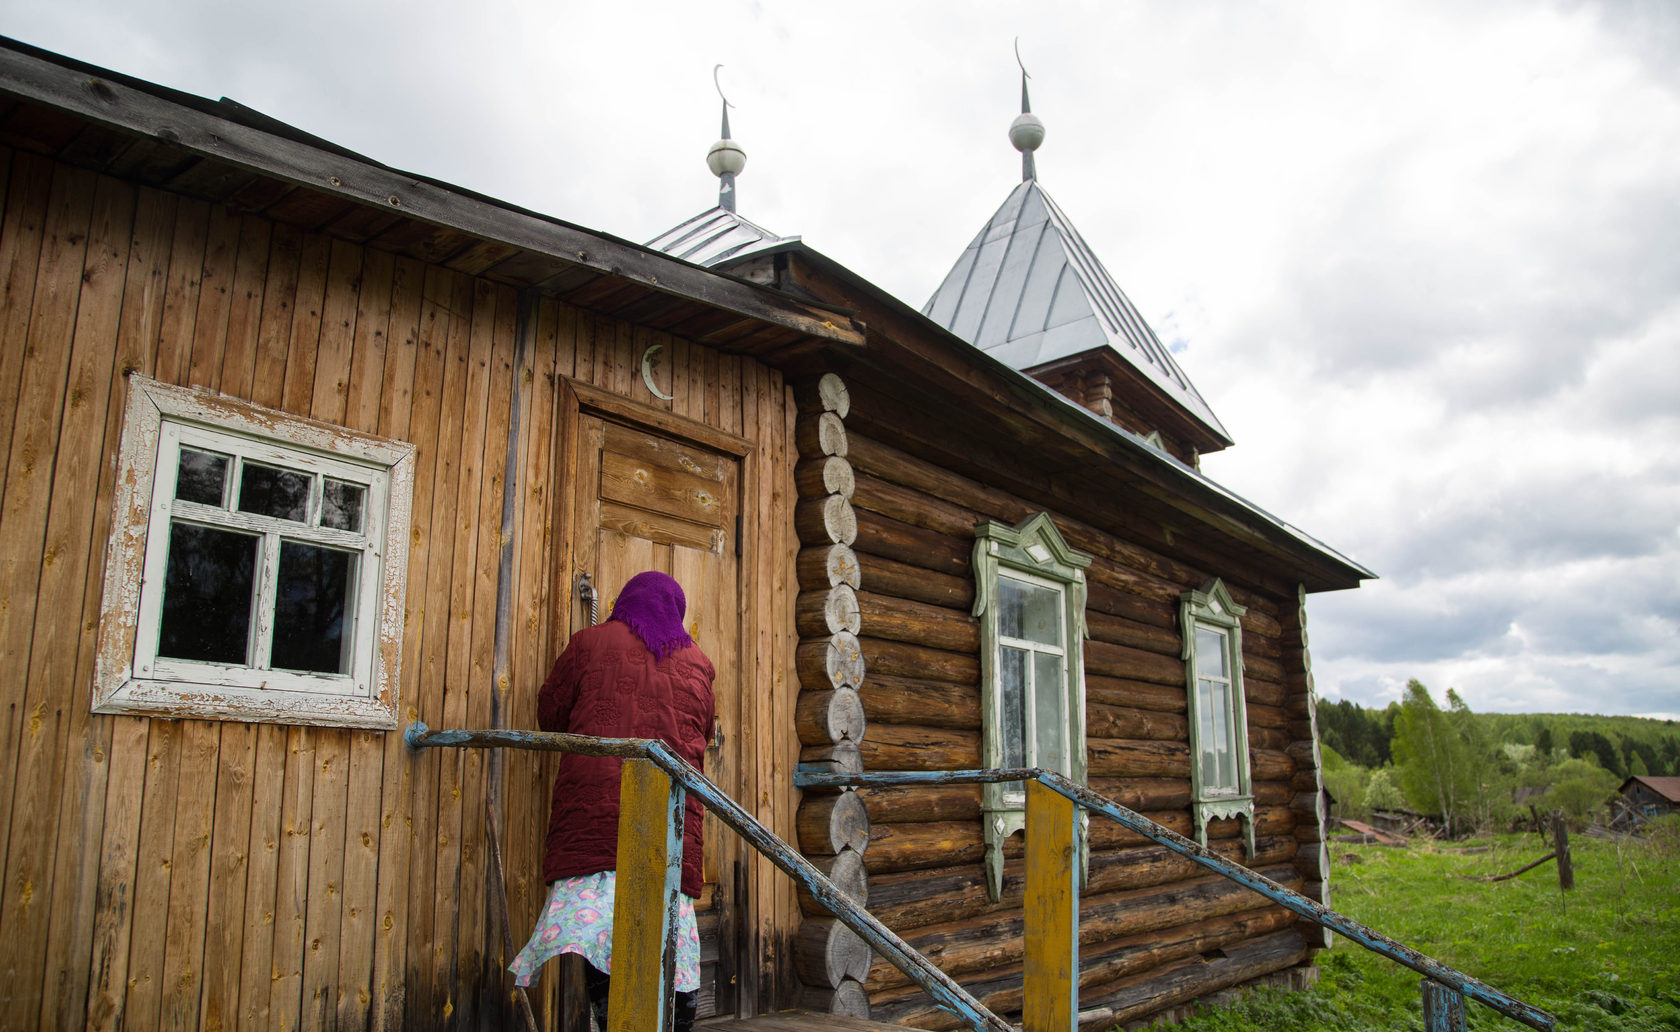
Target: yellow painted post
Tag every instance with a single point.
(650, 815)
(1051, 984)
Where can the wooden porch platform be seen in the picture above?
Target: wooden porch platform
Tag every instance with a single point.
(798, 1021)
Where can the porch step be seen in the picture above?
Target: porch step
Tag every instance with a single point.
(799, 1021)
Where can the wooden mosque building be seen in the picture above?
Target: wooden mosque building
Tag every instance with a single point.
(297, 449)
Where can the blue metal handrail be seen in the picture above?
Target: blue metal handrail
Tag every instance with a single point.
(1443, 988)
(946, 993)
(1432, 970)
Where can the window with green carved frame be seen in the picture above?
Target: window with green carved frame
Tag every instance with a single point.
(1030, 600)
(1219, 772)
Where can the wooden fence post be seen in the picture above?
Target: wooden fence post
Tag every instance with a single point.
(1443, 1008)
(1566, 866)
(1050, 990)
(650, 829)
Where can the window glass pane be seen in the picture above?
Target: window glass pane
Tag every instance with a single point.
(1210, 652)
(1013, 682)
(1210, 772)
(1208, 734)
(207, 595)
(1050, 709)
(1012, 720)
(1225, 767)
(341, 505)
(314, 603)
(272, 491)
(1029, 611)
(201, 477)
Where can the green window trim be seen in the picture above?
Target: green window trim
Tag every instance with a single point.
(1221, 783)
(1029, 596)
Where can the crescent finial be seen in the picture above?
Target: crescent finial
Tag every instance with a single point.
(726, 103)
(1017, 58)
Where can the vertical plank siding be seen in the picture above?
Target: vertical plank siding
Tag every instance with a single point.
(124, 739)
(31, 576)
(65, 585)
(1142, 911)
(164, 873)
(403, 403)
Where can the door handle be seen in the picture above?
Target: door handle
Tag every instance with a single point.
(588, 596)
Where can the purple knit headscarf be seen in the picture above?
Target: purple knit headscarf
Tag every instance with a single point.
(652, 605)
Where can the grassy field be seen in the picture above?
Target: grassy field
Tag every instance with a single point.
(1604, 957)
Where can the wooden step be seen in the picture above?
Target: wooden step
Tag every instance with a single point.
(798, 1021)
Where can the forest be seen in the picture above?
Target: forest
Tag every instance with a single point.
(1468, 767)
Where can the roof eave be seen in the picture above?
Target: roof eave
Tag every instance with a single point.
(1338, 571)
(1207, 437)
(193, 125)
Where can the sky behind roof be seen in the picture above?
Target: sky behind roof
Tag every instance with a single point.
(1422, 259)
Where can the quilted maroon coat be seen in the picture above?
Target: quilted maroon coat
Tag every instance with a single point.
(607, 683)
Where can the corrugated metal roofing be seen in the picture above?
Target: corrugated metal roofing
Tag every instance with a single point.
(1029, 290)
(717, 236)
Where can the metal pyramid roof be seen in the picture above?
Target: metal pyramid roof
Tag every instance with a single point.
(1029, 291)
(716, 236)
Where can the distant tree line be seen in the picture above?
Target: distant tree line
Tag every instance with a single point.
(1467, 768)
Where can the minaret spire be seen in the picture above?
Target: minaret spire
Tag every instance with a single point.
(1027, 131)
(726, 159)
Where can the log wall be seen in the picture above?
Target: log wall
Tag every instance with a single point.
(214, 874)
(1152, 926)
(832, 961)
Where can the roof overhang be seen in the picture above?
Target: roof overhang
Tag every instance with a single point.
(908, 354)
(227, 153)
(1140, 393)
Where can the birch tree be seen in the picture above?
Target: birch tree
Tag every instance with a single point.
(1431, 757)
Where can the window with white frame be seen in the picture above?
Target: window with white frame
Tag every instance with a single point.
(1030, 600)
(1219, 773)
(256, 565)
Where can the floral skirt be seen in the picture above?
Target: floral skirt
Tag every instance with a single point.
(578, 919)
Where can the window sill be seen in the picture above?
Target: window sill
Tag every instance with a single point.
(181, 700)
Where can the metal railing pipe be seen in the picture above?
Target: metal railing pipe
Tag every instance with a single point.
(1291, 900)
(949, 996)
(946, 993)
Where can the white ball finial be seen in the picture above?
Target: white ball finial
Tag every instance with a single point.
(726, 158)
(1026, 132)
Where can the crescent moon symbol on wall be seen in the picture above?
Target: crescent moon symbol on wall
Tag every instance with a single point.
(647, 372)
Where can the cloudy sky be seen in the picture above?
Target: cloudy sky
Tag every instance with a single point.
(1422, 258)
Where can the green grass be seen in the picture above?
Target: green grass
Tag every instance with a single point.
(1603, 957)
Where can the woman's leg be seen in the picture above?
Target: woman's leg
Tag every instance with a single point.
(595, 983)
(684, 1016)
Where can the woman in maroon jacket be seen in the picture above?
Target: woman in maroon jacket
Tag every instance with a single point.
(639, 675)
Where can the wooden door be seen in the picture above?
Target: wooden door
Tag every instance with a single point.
(650, 500)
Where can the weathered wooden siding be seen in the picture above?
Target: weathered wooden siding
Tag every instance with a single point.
(210, 874)
(1147, 918)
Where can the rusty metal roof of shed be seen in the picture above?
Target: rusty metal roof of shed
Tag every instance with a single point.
(716, 236)
(1029, 291)
(1667, 787)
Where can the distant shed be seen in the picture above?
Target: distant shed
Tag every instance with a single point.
(1642, 798)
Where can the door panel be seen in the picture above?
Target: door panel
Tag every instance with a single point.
(647, 500)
